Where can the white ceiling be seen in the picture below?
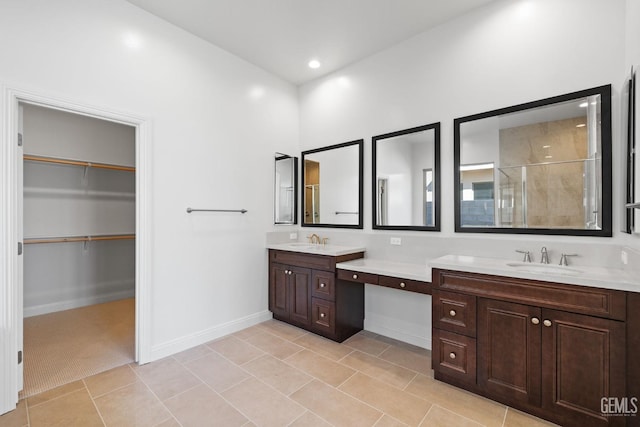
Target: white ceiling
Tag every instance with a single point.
(281, 36)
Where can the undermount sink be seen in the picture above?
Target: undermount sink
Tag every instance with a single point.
(545, 268)
(302, 245)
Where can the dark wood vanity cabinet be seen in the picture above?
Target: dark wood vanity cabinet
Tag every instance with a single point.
(304, 291)
(549, 349)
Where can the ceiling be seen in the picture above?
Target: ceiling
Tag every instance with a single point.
(282, 36)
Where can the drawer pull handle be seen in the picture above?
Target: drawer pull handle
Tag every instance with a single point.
(286, 272)
(546, 323)
(452, 355)
(290, 272)
(402, 284)
(452, 313)
(322, 315)
(535, 320)
(355, 276)
(322, 285)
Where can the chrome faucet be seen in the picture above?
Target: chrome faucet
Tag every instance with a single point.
(545, 255)
(563, 258)
(527, 255)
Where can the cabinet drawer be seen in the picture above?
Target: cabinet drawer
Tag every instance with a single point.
(454, 355)
(323, 285)
(356, 276)
(323, 316)
(321, 262)
(454, 312)
(404, 284)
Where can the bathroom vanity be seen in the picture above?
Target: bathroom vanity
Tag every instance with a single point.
(551, 349)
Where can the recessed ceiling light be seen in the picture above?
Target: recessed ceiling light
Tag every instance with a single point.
(548, 157)
(546, 146)
(584, 105)
(581, 125)
(314, 63)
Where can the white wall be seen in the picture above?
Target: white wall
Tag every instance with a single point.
(216, 123)
(506, 53)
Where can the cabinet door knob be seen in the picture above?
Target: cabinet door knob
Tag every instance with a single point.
(546, 322)
(535, 320)
(452, 313)
(355, 276)
(322, 285)
(286, 272)
(290, 272)
(452, 355)
(402, 284)
(322, 315)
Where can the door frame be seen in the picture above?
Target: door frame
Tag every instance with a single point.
(10, 287)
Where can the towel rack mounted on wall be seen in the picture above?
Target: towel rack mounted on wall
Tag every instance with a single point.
(70, 239)
(242, 211)
(633, 206)
(346, 213)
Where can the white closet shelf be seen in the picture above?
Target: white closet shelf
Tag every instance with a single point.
(69, 239)
(31, 158)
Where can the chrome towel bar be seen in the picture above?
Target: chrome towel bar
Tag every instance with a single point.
(346, 213)
(242, 211)
(633, 206)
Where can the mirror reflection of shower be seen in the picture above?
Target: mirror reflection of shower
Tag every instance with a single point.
(286, 176)
(312, 192)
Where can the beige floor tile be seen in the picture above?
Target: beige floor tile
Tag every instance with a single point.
(440, 417)
(274, 345)
(202, 406)
(54, 393)
(248, 332)
(171, 422)
(283, 330)
(379, 369)
(263, 405)
(332, 373)
(192, 354)
(323, 346)
(309, 419)
(216, 371)
(399, 404)
(134, 404)
(479, 409)
(366, 343)
(71, 410)
(235, 349)
(17, 417)
(166, 377)
(516, 418)
(414, 358)
(388, 421)
(278, 374)
(111, 380)
(336, 407)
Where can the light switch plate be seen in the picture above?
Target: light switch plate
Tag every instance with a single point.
(396, 241)
(624, 257)
(293, 236)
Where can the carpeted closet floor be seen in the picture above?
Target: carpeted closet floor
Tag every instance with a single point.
(69, 345)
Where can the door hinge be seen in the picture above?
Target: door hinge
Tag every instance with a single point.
(20, 357)
(19, 140)
(19, 248)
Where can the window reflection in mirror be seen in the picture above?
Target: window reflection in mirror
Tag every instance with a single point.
(332, 186)
(285, 194)
(542, 167)
(406, 179)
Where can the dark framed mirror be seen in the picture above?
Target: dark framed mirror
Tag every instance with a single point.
(543, 167)
(332, 186)
(285, 189)
(406, 179)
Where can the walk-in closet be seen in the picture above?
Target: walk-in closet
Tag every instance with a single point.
(78, 222)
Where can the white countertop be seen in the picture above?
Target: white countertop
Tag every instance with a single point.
(308, 248)
(600, 277)
(388, 268)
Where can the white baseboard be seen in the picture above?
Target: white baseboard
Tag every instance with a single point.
(418, 335)
(184, 343)
(77, 303)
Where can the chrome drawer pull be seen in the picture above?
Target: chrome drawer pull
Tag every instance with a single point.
(355, 276)
(452, 355)
(452, 313)
(402, 284)
(322, 285)
(535, 320)
(322, 315)
(546, 322)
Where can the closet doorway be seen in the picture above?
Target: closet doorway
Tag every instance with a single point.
(79, 224)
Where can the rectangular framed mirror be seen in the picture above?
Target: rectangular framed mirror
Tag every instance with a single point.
(543, 167)
(406, 179)
(285, 189)
(332, 186)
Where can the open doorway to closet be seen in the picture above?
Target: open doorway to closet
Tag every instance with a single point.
(79, 260)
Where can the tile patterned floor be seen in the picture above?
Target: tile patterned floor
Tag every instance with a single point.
(271, 374)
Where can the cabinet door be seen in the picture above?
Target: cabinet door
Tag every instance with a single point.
(583, 361)
(509, 350)
(300, 296)
(278, 290)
